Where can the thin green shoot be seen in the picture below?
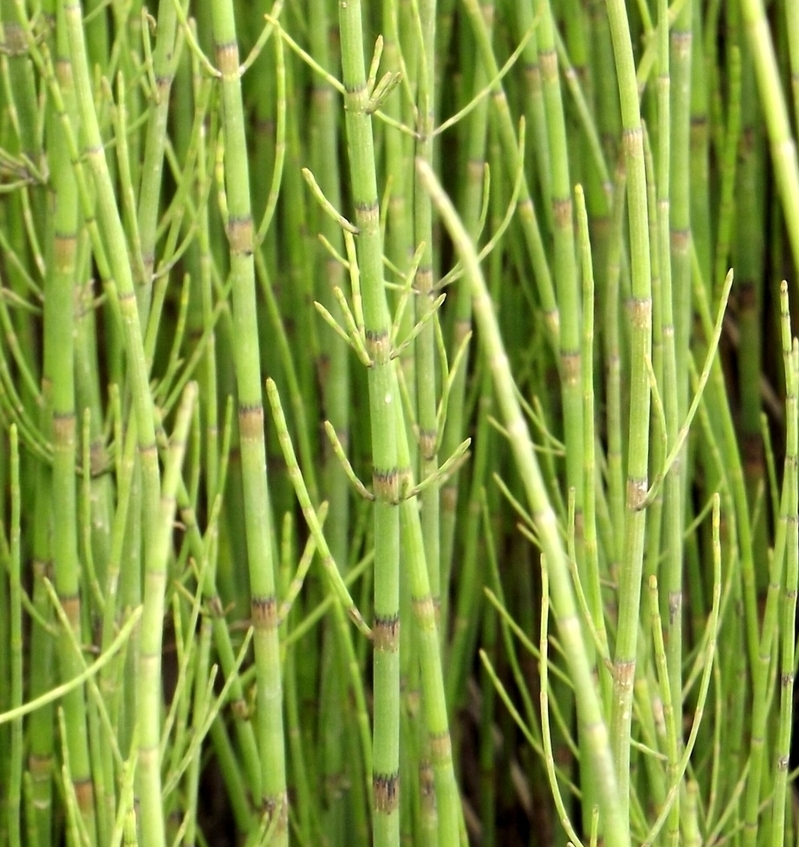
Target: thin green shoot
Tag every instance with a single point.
(338, 449)
(96, 666)
(328, 209)
(263, 38)
(703, 379)
(490, 86)
(310, 514)
(546, 732)
(707, 658)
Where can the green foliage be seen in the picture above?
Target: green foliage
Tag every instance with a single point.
(511, 553)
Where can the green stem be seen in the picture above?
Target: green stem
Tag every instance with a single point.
(272, 798)
(783, 146)
(165, 60)
(638, 451)
(612, 803)
(426, 294)
(788, 623)
(65, 542)
(383, 398)
(152, 627)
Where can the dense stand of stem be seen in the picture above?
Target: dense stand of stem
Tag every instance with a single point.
(612, 802)
(166, 156)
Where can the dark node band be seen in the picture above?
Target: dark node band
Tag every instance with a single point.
(386, 792)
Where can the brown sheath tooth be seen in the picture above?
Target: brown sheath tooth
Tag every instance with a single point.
(571, 366)
(63, 427)
(148, 450)
(277, 804)
(239, 234)
(427, 788)
(367, 216)
(386, 484)
(264, 612)
(240, 709)
(227, 58)
(631, 139)
(84, 793)
(641, 312)
(636, 493)
(378, 345)
(386, 633)
(562, 211)
(625, 673)
(441, 747)
(424, 607)
(552, 320)
(424, 279)
(680, 239)
(71, 606)
(427, 443)
(40, 767)
(251, 422)
(386, 791)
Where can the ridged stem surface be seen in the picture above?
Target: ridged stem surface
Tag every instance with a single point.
(271, 799)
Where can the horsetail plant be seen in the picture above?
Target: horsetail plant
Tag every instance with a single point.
(149, 765)
(382, 399)
(336, 397)
(638, 451)
(270, 795)
(788, 647)
(611, 800)
(491, 434)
